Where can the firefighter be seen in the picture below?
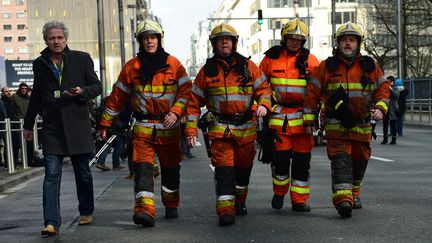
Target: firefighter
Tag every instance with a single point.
(227, 85)
(288, 68)
(158, 87)
(354, 91)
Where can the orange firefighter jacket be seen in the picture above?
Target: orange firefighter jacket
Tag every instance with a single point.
(372, 93)
(169, 91)
(225, 93)
(288, 90)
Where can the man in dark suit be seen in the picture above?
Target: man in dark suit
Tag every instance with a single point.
(64, 80)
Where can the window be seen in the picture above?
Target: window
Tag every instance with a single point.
(7, 27)
(279, 3)
(22, 38)
(19, 2)
(22, 50)
(21, 26)
(7, 15)
(7, 38)
(20, 15)
(346, 1)
(343, 17)
(8, 50)
(6, 2)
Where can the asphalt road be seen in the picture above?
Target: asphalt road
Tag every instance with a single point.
(396, 195)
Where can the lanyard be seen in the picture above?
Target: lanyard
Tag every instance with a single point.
(58, 72)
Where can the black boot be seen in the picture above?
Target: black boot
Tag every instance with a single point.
(143, 219)
(171, 213)
(240, 210)
(357, 203)
(301, 207)
(385, 141)
(277, 201)
(393, 141)
(226, 220)
(344, 209)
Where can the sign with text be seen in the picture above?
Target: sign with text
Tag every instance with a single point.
(18, 71)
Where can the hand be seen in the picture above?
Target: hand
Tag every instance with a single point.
(103, 133)
(191, 140)
(261, 111)
(170, 119)
(28, 135)
(377, 115)
(77, 91)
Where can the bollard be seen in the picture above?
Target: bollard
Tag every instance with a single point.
(23, 145)
(10, 159)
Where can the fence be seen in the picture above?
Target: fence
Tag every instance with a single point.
(8, 147)
(419, 111)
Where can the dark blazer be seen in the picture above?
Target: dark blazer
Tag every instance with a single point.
(66, 120)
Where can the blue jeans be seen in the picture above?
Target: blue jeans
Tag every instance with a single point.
(51, 186)
(117, 145)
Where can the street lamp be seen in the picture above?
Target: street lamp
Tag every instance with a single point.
(132, 23)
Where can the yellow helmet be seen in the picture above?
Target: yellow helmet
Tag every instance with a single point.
(224, 30)
(149, 27)
(295, 29)
(349, 29)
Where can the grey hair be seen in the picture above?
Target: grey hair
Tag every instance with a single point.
(54, 25)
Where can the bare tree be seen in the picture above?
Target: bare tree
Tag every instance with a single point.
(381, 35)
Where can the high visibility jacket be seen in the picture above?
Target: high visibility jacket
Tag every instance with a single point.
(224, 93)
(372, 94)
(169, 91)
(288, 90)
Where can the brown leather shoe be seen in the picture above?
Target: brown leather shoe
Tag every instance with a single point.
(49, 230)
(85, 219)
(103, 167)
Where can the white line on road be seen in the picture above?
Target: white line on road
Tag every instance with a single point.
(382, 159)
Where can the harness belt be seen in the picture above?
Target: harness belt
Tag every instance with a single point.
(236, 119)
(140, 116)
(290, 104)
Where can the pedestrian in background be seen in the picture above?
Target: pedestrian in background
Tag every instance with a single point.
(403, 94)
(158, 88)
(227, 85)
(64, 81)
(392, 114)
(288, 67)
(354, 91)
(11, 114)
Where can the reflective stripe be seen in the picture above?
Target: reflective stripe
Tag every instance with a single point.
(191, 118)
(300, 190)
(226, 197)
(356, 186)
(183, 80)
(351, 86)
(342, 193)
(300, 183)
(383, 104)
(287, 81)
(122, 87)
(198, 91)
(258, 81)
(144, 194)
(241, 187)
(287, 89)
(341, 128)
(343, 186)
(183, 100)
(294, 115)
(316, 83)
(280, 183)
(165, 189)
(338, 104)
(230, 90)
(225, 203)
(309, 110)
(111, 112)
(308, 117)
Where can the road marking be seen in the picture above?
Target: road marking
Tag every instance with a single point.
(211, 167)
(382, 159)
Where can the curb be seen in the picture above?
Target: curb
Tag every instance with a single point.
(13, 180)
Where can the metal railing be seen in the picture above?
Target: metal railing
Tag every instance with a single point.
(419, 111)
(8, 146)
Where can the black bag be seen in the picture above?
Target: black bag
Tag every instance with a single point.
(339, 108)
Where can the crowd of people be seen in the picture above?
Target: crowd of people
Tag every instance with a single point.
(154, 110)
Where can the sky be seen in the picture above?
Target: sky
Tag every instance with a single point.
(180, 19)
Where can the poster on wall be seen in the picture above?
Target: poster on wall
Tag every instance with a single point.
(18, 71)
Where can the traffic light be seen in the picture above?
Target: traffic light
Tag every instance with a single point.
(260, 17)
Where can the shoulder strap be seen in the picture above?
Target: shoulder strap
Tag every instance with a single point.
(274, 52)
(332, 63)
(210, 67)
(301, 62)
